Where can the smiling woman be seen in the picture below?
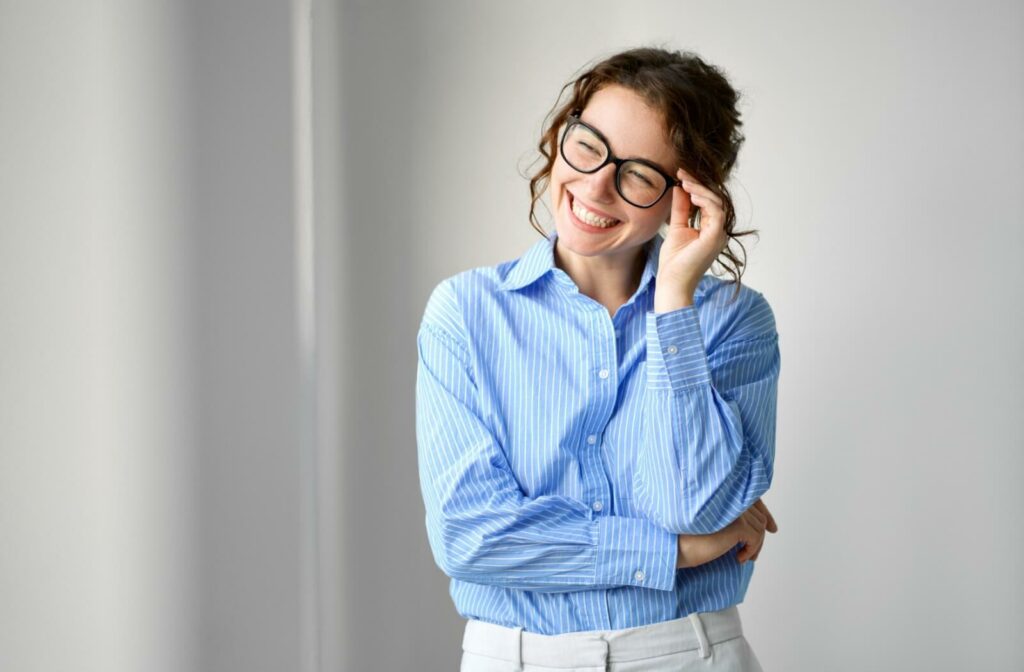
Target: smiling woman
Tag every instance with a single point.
(596, 419)
(601, 258)
(695, 108)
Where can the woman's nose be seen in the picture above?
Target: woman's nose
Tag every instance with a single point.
(601, 184)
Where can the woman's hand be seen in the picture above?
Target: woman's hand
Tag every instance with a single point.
(748, 529)
(688, 253)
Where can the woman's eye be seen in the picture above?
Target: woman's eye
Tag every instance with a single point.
(641, 177)
(588, 147)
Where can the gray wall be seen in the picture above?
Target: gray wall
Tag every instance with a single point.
(149, 453)
(883, 167)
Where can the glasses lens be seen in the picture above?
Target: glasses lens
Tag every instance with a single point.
(641, 185)
(582, 149)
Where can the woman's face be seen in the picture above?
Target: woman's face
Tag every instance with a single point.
(633, 130)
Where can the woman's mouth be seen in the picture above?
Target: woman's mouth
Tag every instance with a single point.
(586, 219)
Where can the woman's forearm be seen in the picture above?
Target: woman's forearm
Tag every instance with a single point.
(748, 530)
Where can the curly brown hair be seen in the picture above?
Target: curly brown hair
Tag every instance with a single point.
(703, 123)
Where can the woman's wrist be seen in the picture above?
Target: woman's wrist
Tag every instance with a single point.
(672, 296)
(682, 557)
(697, 549)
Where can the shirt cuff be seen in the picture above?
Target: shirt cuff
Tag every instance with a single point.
(635, 552)
(676, 359)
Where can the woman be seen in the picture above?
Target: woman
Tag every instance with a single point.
(596, 419)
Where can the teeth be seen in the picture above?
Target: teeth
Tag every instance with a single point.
(589, 217)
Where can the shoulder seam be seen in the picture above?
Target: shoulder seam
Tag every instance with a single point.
(461, 351)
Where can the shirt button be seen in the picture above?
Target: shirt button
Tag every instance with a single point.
(592, 439)
(638, 575)
(671, 349)
(597, 506)
(603, 373)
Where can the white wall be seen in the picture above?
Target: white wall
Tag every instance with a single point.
(149, 471)
(883, 164)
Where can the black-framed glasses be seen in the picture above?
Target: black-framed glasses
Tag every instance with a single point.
(639, 181)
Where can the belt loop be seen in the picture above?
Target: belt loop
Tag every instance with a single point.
(519, 648)
(702, 636)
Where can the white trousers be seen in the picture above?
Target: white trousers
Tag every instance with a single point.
(706, 641)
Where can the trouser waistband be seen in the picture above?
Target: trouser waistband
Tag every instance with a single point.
(594, 648)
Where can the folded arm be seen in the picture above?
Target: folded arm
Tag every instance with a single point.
(480, 525)
(708, 444)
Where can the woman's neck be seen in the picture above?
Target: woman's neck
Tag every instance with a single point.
(608, 279)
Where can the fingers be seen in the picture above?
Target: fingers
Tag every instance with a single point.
(749, 534)
(680, 208)
(701, 195)
(712, 214)
(751, 526)
(754, 521)
(756, 518)
(751, 546)
(771, 525)
(698, 191)
(751, 549)
(757, 550)
(760, 545)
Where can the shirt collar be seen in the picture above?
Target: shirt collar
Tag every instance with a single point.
(539, 260)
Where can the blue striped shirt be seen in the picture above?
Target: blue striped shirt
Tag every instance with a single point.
(561, 450)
